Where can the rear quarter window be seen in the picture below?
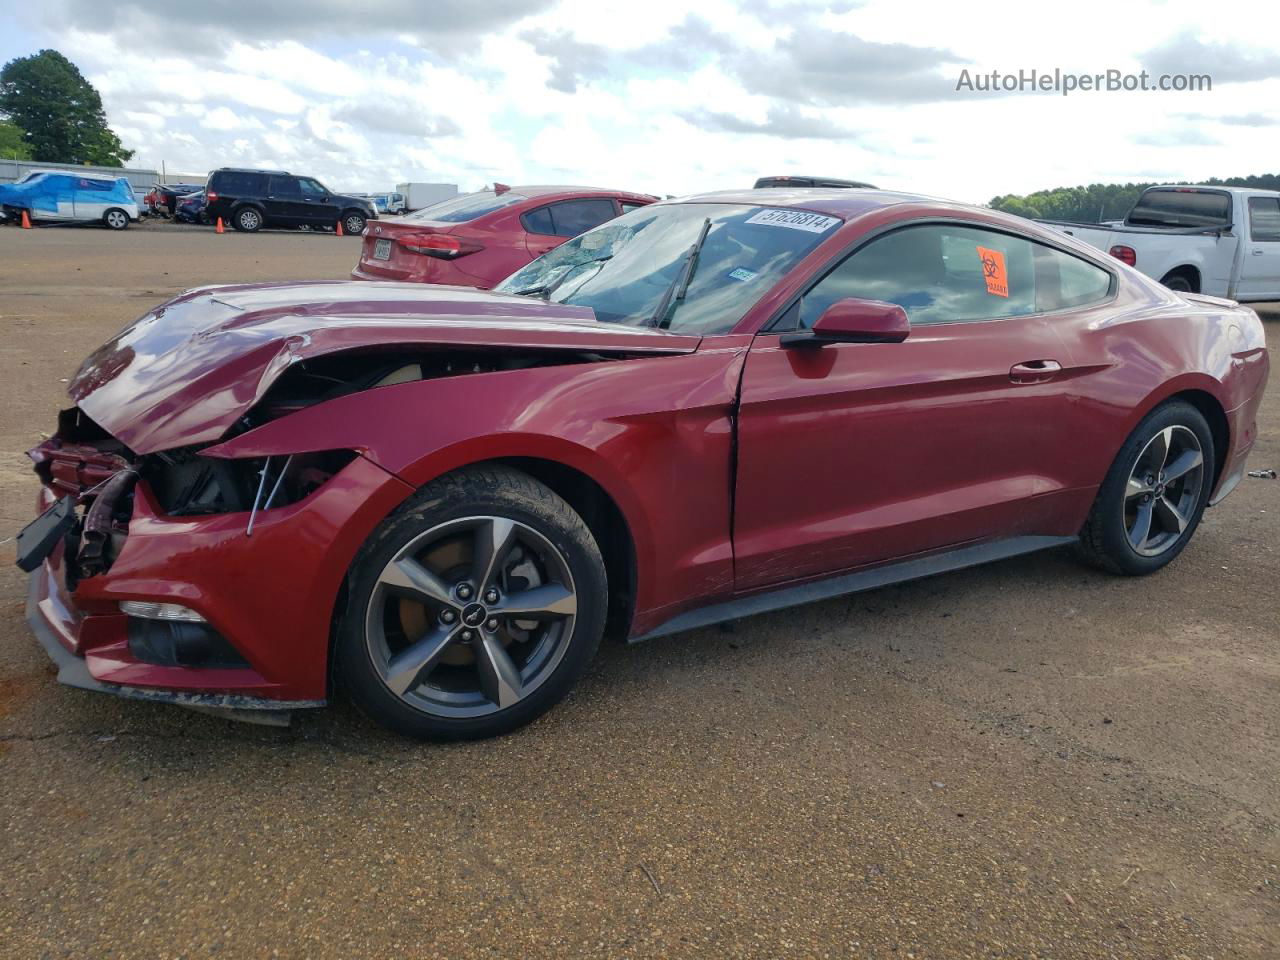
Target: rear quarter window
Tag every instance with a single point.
(234, 182)
(539, 221)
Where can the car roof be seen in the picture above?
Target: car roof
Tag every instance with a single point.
(540, 190)
(829, 181)
(1211, 186)
(76, 174)
(832, 201)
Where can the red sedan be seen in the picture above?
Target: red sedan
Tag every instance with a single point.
(477, 239)
(442, 498)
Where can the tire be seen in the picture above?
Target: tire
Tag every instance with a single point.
(1178, 283)
(1168, 487)
(115, 219)
(423, 645)
(353, 223)
(247, 220)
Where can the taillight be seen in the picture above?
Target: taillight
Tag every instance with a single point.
(210, 197)
(438, 245)
(1124, 254)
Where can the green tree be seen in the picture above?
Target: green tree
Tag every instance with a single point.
(59, 110)
(1104, 201)
(13, 146)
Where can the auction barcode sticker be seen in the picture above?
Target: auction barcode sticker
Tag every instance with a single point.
(795, 219)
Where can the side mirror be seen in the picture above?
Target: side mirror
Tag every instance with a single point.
(854, 321)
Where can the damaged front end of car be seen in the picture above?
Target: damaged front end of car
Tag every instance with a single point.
(175, 560)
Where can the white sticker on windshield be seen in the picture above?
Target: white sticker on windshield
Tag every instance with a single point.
(743, 275)
(795, 219)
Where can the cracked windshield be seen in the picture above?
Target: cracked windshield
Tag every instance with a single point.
(692, 267)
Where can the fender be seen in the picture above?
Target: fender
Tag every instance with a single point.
(655, 433)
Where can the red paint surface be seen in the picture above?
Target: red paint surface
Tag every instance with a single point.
(844, 455)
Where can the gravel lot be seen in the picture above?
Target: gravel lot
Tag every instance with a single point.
(1025, 760)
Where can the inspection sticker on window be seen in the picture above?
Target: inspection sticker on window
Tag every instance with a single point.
(993, 271)
(743, 275)
(795, 219)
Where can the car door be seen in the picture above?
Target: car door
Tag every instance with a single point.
(1260, 258)
(851, 454)
(319, 205)
(284, 204)
(57, 199)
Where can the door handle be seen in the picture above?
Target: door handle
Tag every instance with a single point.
(1258, 253)
(1034, 371)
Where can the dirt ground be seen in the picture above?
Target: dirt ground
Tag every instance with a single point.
(1026, 760)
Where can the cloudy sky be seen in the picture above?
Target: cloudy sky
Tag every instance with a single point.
(655, 98)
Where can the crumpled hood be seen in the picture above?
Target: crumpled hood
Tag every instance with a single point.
(186, 371)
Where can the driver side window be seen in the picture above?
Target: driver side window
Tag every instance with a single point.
(938, 273)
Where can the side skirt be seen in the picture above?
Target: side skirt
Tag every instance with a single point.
(856, 582)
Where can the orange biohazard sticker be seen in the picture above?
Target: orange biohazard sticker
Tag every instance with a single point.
(993, 271)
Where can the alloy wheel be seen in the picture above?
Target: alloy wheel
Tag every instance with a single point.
(117, 220)
(354, 225)
(1163, 491)
(471, 616)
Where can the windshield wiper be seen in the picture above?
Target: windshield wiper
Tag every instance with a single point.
(680, 284)
(545, 290)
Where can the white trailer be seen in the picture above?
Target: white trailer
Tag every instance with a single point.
(420, 195)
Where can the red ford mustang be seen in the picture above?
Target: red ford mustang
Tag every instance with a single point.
(442, 498)
(477, 239)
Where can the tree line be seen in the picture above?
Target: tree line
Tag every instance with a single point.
(1105, 201)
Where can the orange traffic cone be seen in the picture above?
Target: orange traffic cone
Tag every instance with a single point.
(339, 230)
(26, 221)
(219, 229)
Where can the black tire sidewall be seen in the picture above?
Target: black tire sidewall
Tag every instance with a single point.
(1178, 284)
(1109, 506)
(487, 492)
(106, 218)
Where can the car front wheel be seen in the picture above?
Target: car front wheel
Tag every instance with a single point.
(115, 219)
(473, 609)
(1152, 499)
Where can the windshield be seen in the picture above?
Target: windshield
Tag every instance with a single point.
(469, 206)
(623, 269)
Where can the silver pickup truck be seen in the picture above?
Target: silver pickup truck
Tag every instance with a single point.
(1221, 241)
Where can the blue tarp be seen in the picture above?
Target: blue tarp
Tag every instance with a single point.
(64, 196)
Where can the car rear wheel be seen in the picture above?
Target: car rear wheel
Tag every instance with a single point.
(353, 223)
(1178, 282)
(1154, 495)
(115, 219)
(473, 609)
(247, 220)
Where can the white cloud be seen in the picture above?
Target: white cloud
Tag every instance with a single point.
(665, 101)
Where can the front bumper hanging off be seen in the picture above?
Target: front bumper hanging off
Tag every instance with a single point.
(270, 597)
(74, 672)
